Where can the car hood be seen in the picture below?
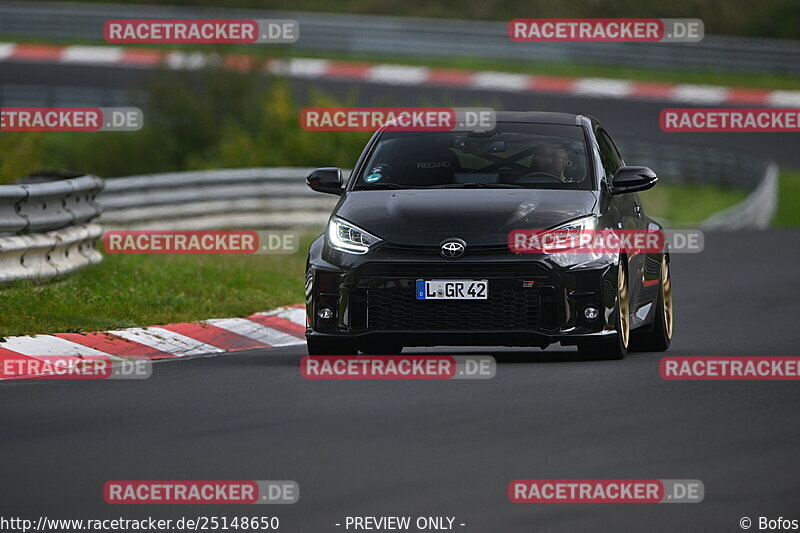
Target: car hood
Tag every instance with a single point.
(481, 217)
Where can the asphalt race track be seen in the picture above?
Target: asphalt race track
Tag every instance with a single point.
(446, 448)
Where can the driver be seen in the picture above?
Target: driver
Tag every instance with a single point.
(551, 159)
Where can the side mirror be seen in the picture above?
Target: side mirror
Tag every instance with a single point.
(328, 180)
(633, 179)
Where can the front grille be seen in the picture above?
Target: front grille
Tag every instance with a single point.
(447, 270)
(505, 309)
(433, 252)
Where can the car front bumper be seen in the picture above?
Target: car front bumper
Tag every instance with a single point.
(531, 301)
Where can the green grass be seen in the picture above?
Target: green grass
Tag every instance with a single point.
(140, 290)
(788, 213)
(688, 205)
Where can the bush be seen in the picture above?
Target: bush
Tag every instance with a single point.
(20, 154)
(206, 119)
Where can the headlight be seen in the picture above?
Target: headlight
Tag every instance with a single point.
(575, 259)
(346, 237)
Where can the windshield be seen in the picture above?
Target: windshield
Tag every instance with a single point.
(513, 155)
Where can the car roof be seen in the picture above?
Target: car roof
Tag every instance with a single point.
(538, 117)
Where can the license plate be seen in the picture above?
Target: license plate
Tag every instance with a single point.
(452, 289)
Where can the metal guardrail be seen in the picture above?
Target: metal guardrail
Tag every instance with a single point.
(207, 199)
(675, 163)
(182, 187)
(686, 163)
(278, 197)
(53, 236)
(403, 36)
(46, 206)
(49, 254)
(755, 212)
(10, 220)
(45, 230)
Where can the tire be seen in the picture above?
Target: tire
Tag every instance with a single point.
(375, 348)
(615, 347)
(328, 346)
(657, 336)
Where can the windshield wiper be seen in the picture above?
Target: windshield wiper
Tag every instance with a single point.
(476, 186)
(364, 187)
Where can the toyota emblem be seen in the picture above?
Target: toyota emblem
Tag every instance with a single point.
(453, 249)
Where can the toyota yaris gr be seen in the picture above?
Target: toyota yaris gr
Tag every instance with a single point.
(416, 251)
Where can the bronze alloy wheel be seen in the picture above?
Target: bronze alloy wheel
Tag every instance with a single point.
(666, 294)
(622, 298)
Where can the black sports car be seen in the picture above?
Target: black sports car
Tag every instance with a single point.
(417, 249)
